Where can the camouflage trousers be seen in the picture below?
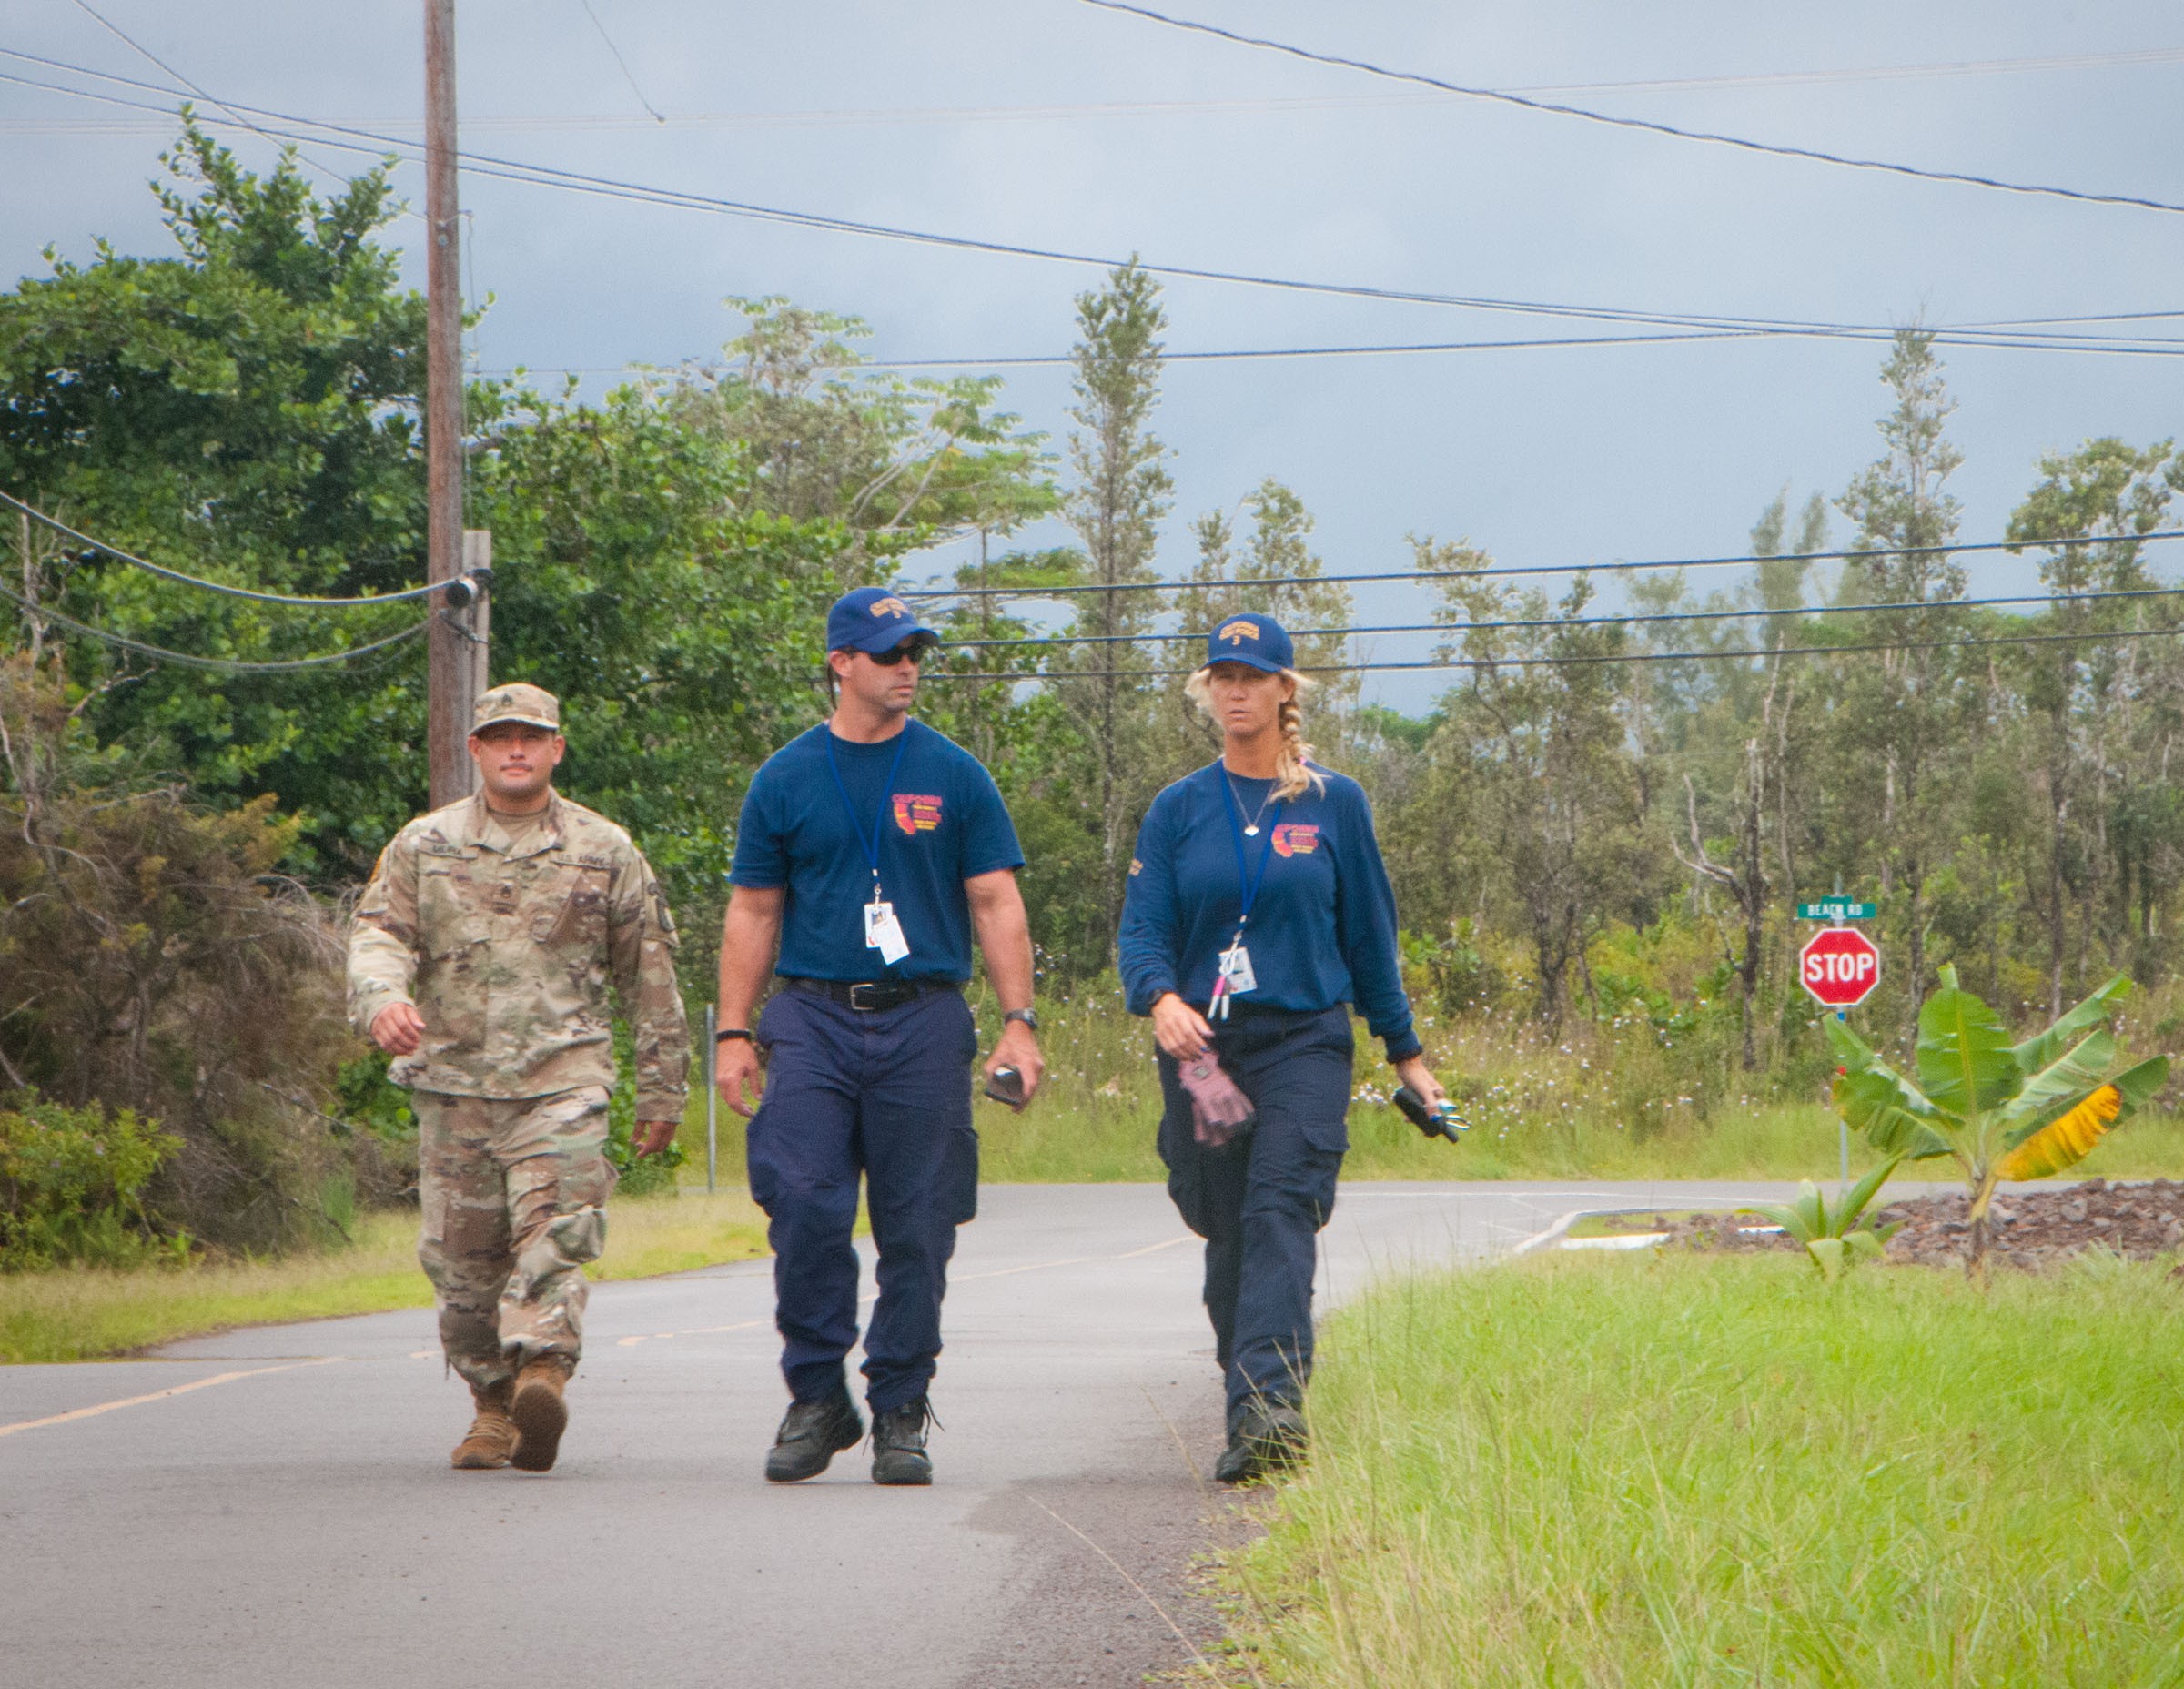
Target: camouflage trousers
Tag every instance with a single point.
(515, 1198)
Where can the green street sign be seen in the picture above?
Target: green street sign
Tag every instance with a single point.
(1837, 909)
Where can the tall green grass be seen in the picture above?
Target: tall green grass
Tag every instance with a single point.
(1688, 1472)
(1608, 1099)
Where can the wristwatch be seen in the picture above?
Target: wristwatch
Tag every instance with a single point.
(1027, 1017)
(725, 1033)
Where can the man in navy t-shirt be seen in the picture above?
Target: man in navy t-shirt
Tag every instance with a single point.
(872, 850)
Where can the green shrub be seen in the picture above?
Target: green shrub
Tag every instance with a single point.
(72, 1185)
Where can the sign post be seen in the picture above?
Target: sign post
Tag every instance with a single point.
(1839, 965)
(712, 1094)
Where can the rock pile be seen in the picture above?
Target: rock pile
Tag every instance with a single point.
(2034, 1227)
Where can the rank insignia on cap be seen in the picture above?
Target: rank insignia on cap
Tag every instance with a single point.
(1236, 633)
(1137, 866)
(1296, 838)
(889, 607)
(915, 814)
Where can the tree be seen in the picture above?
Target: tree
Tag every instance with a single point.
(701, 619)
(1762, 762)
(1316, 614)
(1121, 492)
(1532, 742)
(899, 463)
(2084, 693)
(246, 410)
(1905, 707)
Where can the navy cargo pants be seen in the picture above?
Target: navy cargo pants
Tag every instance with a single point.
(1260, 1200)
(885, 1095)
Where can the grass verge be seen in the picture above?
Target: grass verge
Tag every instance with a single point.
(81, 1314)
(1682, 1471)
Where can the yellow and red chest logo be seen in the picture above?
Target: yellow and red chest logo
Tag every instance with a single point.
(1296, 838)
(914, 813)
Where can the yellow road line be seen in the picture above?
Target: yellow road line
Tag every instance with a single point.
(702, 1330)
(161, 1395)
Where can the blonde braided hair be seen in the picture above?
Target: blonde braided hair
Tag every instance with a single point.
(1292, 770)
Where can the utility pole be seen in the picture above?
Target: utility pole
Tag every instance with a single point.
(454, 660)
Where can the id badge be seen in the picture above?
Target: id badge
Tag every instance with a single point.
(884, 932)
(1236, 970)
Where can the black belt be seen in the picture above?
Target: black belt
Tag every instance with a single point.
(870, 996)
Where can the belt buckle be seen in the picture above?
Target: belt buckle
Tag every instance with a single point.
(856, 1000)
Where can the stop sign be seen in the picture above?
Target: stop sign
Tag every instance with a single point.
(1840, 965)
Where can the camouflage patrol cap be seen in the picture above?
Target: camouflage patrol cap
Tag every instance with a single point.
(532, 705)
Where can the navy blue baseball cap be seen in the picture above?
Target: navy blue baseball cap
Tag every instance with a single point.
(1260, 640)
(872, 620)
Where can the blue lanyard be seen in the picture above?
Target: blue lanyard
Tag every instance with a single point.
(1245, 880)
(870, 847)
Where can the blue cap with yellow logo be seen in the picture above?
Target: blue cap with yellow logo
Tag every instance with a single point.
(872, 619)
(1259, 641)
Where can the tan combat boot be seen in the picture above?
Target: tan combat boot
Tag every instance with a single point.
(539, 1411)
(491, 1437)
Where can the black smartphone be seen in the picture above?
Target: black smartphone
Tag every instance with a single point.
(1434, 1120)
(1006, 1085)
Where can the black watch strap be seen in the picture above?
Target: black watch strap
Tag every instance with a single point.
(1027, 1017)
(726, 1033)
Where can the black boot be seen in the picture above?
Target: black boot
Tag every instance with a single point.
(898, 1444)
(811, 1433)
(1267, 1436)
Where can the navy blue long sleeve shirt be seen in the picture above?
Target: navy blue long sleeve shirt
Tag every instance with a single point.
(1322, 927)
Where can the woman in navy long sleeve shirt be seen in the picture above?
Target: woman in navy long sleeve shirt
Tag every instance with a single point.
(1257, 891)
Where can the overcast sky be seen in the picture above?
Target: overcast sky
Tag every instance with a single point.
(1053, 124)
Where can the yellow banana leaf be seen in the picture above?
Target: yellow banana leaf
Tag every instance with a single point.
(2065, 1141)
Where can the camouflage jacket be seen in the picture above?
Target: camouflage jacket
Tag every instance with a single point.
(507, 953)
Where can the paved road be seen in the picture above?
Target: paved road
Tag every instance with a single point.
(273, 1506)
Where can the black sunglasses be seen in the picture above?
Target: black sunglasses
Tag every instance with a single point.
(915, 648)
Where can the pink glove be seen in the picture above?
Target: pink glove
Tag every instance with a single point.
(1220, 1111)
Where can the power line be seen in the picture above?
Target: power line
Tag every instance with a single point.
(562, 122)
(1594, 621)
(222, 665)
(214, 586)
(609, 188)
(1554, 108)
(146, 52)
(628, 76)
(2139, 346)
(1584, 660)
(1539, 569)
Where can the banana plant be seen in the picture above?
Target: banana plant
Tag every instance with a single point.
(2001, 1110)
(1832, 1238)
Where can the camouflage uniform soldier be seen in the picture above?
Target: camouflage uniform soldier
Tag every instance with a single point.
(481, 958)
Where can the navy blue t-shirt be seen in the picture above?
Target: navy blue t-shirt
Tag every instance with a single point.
(1322, 927)
(941, 821)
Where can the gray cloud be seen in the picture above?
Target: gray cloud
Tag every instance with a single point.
(1263, 165)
